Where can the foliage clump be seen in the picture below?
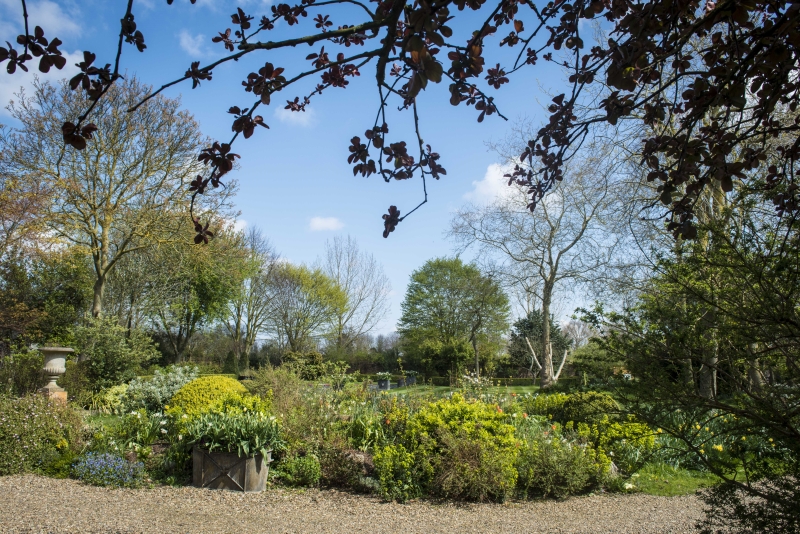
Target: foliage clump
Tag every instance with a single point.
(111, 354)
(35, 432)
(451, 448)
(301, 471)
(155, 393)
(200, 395)
(587, 407)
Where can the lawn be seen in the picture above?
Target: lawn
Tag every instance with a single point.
(438, 391)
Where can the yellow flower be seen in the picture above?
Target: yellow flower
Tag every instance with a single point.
(697, 427)
(770, 440)
(706, 429)
(702, 451)
(743, 438)
(659, 431)
(717, 447)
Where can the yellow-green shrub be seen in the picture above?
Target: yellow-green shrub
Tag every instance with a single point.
(453, 448)
(629, 443)
(549, 406)
(200, 394)
(212, 394)
(588, 407)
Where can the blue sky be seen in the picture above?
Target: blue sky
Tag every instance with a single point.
(294, 181)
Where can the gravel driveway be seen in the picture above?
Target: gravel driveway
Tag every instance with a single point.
(37, 504)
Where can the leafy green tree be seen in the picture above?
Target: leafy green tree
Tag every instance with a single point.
(110, 354)
(42, 296)
(193, 288)
(306, 302)
(452, 311)
(712, 348)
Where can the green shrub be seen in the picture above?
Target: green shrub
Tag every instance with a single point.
(110, 400)
(154, 393)
(452, 448)
(473, 469)
(588, 407)
(105, 469)
(35, 431)
(199, 395)
(301, 470)
(342, 467)
(549, 406)
(398, 477)
(629, 443)
(21, 372)
(137, 431)
(111, 353)
(550, 466)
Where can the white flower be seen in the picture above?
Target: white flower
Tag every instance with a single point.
(163, 423)
(629, 486)
(163, 430)
(180, 437)
(184, 416)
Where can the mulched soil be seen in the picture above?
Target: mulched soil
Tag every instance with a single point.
(31, 503)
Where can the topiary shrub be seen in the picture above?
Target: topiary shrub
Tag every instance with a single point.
(199, 395)
(588, 407)
(35, 432)
(104, 469)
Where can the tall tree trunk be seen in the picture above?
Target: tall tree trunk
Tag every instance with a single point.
(547, 357)
(97, 300)
(477, 363)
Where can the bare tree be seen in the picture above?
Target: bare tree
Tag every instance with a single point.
(115, 196)
(249, 310)
(366, 286)
(566, 239)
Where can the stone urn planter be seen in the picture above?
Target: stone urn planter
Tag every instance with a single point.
(383, 383)
(55, 365)
(401, 382)
(229, 471)
(411, 380)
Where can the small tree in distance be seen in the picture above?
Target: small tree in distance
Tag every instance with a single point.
(452, 312)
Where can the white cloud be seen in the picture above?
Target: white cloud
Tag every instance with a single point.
(297, 118)
(194, 45)
(323, 224)
(493, 186)
(49, 15)
(11, 84)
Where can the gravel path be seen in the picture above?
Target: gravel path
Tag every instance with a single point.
(37, 504)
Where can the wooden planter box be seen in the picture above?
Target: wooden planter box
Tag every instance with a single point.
(226, 470)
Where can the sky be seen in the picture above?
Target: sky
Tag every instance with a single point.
(294, 180)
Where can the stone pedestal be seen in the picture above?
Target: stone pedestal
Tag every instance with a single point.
(55, 360)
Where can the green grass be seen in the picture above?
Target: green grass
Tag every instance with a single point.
(439, 391)
(105, 419)
(665, 480)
